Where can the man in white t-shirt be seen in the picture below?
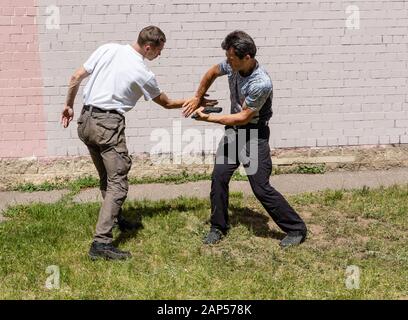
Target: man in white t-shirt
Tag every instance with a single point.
(118, 79)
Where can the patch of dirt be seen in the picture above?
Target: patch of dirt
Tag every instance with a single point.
(364, 222)
(306, 215)
(316, 230)
(343, 242)
(316, 236)
(363, 239)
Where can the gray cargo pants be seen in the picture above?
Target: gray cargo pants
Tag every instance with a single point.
(104, 135)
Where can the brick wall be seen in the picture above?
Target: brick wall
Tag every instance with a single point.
(22, 120)
(333, 85)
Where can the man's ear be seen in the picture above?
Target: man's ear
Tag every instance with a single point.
(147, 47)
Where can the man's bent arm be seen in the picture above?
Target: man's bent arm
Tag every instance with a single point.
(209, 77)
(236, 119)
(74, 84)
(207, 80)
(76, 79)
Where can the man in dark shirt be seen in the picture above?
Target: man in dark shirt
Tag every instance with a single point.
(246, 139)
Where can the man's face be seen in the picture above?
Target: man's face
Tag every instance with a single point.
(235, 62)
(153, 52)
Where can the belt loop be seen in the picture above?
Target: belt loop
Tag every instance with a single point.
(90, 109)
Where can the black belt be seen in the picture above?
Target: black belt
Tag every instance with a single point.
(97, 110)
(259, 125)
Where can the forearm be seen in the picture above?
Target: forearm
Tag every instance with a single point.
(72, 91)
(168, 103)
(227, 119)
(174, 104)
(206, 82)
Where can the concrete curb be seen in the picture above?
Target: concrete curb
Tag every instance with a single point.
(286, 184)
(10, 198)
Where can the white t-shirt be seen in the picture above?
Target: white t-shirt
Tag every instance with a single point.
(119, 77)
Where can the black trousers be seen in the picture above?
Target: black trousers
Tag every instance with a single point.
(249, 145)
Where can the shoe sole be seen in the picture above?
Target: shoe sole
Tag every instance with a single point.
(210, 243)
(94, 257)
(293, 245)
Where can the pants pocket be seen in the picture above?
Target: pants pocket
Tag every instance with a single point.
(82, 122)
(107, 132)
(124, 163)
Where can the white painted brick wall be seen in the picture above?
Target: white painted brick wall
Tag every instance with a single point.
(332, 86)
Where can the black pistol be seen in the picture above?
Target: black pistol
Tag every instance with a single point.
(208, 110)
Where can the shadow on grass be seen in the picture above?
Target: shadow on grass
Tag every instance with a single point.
(135, 212)
(255, 221)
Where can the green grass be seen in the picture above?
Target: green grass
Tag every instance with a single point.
(73, 185)
(310, 169)
(367, 228)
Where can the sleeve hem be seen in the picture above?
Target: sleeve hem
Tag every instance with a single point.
(87, 69)
(155, 96)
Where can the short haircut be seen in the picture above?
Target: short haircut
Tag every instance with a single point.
(151, 35)
(242, 43)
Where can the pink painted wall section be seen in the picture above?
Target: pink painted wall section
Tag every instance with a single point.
(22, 120)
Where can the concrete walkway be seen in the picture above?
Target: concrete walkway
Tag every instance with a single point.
(286, 184)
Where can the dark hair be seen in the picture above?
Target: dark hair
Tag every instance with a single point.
(151, 35)
(242, 43)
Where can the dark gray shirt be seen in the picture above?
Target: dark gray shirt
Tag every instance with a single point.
(255, 90)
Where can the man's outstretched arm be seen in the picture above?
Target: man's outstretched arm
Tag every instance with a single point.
(76, 79)
(168, 103)
(193, 103)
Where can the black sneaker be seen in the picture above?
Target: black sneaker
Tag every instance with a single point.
(107, 251)
(293, 239)
(215, 235)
